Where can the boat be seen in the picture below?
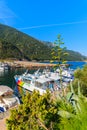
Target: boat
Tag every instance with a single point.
(4, 66)
(40, 81)
(1, 68)
(7, 98)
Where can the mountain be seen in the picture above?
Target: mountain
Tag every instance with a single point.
(17, 45)
(73, 55)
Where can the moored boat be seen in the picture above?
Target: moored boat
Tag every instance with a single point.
(4, 66)
(41, 81)
(7, 98)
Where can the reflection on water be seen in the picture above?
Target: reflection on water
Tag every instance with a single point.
(3, 72)
(7, 76)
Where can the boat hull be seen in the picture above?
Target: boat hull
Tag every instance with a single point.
(22, 87)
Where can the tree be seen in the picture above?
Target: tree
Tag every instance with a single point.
(58, 52)
(58, 56)
(36, 113)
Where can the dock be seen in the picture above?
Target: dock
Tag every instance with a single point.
(28, 64)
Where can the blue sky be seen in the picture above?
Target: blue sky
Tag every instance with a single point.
(45, 19)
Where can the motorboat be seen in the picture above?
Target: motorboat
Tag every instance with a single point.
(4, 66)
(7, 98)
(40, 81)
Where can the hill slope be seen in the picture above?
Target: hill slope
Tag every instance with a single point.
(73, 55)
(15, 44)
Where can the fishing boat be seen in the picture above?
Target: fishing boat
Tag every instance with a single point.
(40, 81)
(7, 98)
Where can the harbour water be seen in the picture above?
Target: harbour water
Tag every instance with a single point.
(7, 76)
(76, 64)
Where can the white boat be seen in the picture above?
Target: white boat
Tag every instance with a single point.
(1, 68)
(39, 81)
(4, 66)
(7, 98)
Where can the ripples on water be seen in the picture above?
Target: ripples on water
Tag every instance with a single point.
(7, 76)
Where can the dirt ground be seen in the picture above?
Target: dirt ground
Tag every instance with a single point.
(3, 124)
(3, 118)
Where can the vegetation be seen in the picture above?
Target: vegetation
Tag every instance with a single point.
(58, 51)
(59, 55)
(75, 56)
(74, 117)
(36, 113)
(47, 113)
(21, 46)
(81, 79)
(15, 44)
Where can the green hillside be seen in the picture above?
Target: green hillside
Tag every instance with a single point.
(75, 56)
(15, 44)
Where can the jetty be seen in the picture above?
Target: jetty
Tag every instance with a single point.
(28, 64)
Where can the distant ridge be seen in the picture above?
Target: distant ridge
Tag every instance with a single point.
(73, 55)
(18, 45)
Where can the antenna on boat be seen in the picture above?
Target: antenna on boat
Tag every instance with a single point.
(26, 72)
(36, 72)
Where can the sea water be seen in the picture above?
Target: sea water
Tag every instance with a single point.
(76, 64)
